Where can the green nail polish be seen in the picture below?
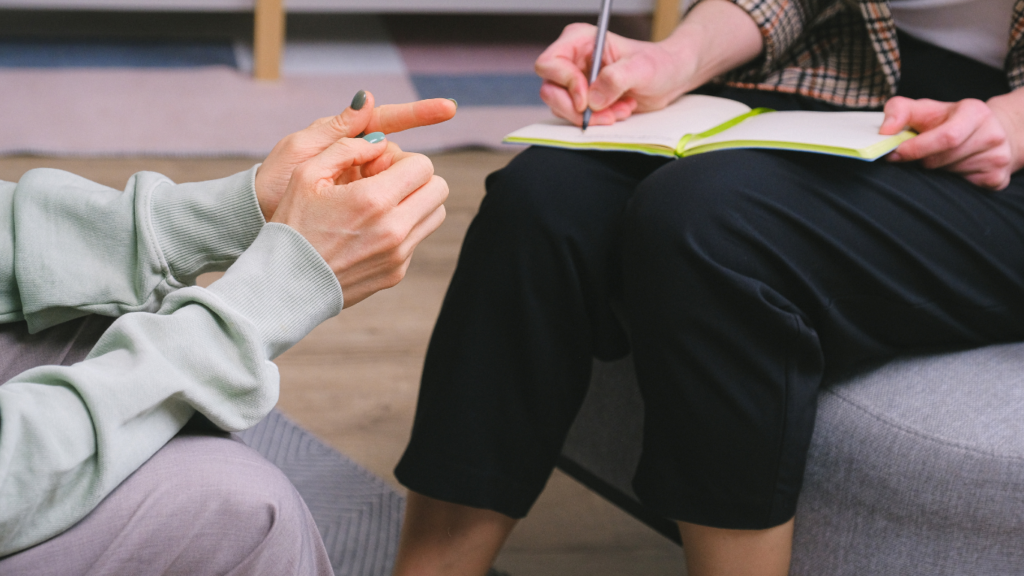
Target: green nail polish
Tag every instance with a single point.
(358, 100)
(374, 137)
(456, 102)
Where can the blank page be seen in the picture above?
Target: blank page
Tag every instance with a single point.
(690, 114)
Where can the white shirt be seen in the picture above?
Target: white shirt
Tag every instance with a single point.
(978, 29)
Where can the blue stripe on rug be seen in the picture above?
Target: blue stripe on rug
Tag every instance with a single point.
(482, 89)
(85, 54)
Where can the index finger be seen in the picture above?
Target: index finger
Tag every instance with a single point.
(564, 61)
(391, 118)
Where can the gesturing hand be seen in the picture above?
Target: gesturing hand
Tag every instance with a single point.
(361, 117)
(969, 138)
(365, 222)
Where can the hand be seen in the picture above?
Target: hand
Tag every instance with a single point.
(968, 138)
(635, 76)
(716, 36)
(274, 174)
(364, 207)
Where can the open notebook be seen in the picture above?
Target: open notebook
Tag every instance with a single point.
(696, 123)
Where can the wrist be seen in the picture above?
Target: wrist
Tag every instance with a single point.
(1007, 110)
(715, 37)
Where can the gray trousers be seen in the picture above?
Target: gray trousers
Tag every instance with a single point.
(204, 504)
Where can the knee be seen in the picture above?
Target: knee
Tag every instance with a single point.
(712, 207)
(548, 193)
(229, 506)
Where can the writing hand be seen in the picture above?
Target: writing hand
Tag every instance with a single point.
(716, 36)
(634, 76)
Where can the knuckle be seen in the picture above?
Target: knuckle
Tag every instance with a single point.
(305, 173)
(950, 138)
(395, 277)
(1001, 158)
(391, 238)
(442, 187)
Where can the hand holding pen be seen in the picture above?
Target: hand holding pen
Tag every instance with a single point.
(633, 75)
(595, 68)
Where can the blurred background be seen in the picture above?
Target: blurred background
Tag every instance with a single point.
(112, 87)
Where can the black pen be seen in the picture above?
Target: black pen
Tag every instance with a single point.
(595, 68)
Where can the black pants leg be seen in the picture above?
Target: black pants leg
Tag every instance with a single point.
(745, 289)
(527, 309)
(748, 278)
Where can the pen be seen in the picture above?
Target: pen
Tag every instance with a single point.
(595, 68)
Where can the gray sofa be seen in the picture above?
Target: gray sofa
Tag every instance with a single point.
(916, 467)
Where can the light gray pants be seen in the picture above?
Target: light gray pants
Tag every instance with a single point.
(204, 504)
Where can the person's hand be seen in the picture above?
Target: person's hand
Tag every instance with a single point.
(361, 117)
(970, 138)
(364, 207)
(635, 76)
(716, 36)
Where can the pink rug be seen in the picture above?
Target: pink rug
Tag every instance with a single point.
(214, 111)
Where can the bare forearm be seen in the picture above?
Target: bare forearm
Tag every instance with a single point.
(715, 37)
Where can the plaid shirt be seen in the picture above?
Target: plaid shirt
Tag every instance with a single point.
(839, 51)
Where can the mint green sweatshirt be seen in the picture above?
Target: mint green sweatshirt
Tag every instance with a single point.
(70, 247)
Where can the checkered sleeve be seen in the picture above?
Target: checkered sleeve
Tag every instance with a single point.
(782, 24)
(1015, 59)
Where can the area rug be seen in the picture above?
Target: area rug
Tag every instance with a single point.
(110, 97)
(358, 514)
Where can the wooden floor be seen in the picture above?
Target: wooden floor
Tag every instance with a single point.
(353, 381)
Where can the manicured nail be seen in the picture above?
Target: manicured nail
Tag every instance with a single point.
(374, 137)
(358, 100)
(456, 102)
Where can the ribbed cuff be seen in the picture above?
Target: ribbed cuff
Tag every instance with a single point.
(283, 286)
(205, 226)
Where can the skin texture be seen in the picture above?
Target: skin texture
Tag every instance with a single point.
(981, 141)
(364, 207)
(276, 171)
(443, 538)
(636, 76)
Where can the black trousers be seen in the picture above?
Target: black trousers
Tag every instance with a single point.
(745, 280)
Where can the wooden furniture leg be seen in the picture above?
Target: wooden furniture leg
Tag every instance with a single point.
(666, 17)
(268, 39)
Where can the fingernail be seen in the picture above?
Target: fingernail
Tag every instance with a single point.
(358, 100)
(456, 102)
(894, 157)
(374, 137)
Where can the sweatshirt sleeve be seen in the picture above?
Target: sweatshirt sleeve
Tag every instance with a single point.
(71, 247)
(70, 435)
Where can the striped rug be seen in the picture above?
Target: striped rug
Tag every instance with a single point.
(96, 96)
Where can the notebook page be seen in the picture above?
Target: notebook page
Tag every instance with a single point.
(690, 114)
(854, 130)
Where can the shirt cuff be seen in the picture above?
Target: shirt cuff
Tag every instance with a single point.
(283, 286)
(205, 226)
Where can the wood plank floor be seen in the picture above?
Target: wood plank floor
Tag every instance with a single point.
(353, 381)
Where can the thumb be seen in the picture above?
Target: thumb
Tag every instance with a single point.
(897, 115)
(615, 79)
(349, 124)
(341, 156)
